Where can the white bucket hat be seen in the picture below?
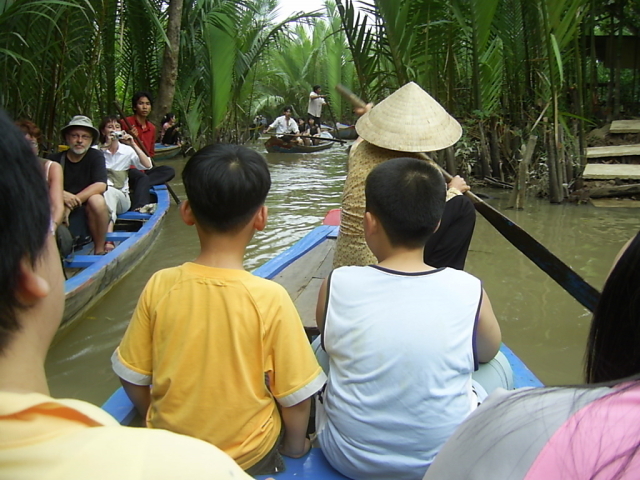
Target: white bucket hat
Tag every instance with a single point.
(409, 120)
(84, 122)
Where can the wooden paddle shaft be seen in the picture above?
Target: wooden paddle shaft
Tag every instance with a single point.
(573, 283)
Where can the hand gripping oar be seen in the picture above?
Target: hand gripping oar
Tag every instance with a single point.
(143, 148)
(573, 283)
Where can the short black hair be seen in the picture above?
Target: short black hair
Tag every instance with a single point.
(316, 87)
(226, 185)
(407, 196)
(103, 123)
(25, 217)
(287, 107)
(137, 96)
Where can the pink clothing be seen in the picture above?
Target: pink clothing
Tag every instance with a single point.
(594, 440)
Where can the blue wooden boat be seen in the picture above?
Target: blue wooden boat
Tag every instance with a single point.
(165, 152)
(93, 275)
(301, 270)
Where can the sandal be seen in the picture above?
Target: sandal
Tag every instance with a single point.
(109, 246)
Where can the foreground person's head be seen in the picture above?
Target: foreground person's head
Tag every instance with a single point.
(613, 350)
(31, 282)
(406, 196)
(226, 187)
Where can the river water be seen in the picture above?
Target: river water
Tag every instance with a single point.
(543, 324)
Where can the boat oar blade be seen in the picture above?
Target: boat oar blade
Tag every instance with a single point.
(573, 283)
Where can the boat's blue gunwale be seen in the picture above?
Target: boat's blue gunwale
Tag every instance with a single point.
(78, 281)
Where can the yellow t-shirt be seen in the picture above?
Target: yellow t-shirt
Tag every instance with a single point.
(205, 338)
(49, 439)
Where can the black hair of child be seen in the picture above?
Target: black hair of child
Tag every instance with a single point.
(25, 218)
(407, 196)
(226, 185)
(137, 96)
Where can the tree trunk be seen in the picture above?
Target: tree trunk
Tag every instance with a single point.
(484, 152)
(169, 73)
(494, 147)
(615, 191)
(519, 192)
(555, 195)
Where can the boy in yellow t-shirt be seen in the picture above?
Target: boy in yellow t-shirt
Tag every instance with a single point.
(206, 333)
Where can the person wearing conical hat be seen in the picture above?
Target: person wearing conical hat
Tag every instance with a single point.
(405, 123)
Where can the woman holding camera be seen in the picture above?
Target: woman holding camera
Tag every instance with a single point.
(120, 154)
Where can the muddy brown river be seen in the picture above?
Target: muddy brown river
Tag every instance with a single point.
(543, 324)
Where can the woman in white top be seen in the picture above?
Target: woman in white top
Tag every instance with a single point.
(120, 154)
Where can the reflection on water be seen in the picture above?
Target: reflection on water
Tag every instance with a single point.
(540, 321)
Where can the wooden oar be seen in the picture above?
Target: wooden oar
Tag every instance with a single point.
(143, 148)
(559, 271)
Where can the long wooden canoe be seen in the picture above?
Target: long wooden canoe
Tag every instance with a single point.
(301, 270)
(276, 145)
(94, 275)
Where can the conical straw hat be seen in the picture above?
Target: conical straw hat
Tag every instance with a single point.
(409, 120)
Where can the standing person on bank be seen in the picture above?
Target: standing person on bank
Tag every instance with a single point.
(405, 123)
(145, 131)
(85, 181)
(316, 100)
(44, 437)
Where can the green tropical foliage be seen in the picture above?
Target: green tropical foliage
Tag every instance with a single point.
(506, 68)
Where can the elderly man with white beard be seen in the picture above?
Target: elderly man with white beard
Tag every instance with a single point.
(85, 180)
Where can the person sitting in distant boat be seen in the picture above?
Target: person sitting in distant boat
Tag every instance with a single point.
(312, 130)
(316, 101)
(145, 131)
(85, 181)
(120, 153)
(213, 351)
(170, 134)
(402, 337)
(286, 127)
(405, 123)
(52, 170)
(575, 432)
(55, 180)
(45, 437)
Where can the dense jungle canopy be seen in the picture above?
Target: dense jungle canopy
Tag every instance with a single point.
(506, 68)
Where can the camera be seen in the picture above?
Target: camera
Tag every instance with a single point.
(117, 134)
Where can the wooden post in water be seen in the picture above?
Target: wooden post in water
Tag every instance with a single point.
(519, 192)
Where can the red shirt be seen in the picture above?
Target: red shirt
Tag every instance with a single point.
(146, 134)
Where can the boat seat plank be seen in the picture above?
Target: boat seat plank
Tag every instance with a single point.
(82, 261)
(613, 151)
(313, 465)
(625, 126)
(134, 216)
(118, 236)
(600, 171)
(296, 276)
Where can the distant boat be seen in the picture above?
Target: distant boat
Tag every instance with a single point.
(276, 145)
(91, 276)
(346, 132)
(165, 152)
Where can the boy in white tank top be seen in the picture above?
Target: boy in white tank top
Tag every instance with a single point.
(403, 338)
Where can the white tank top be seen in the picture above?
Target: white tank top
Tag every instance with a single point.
(401, 350)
